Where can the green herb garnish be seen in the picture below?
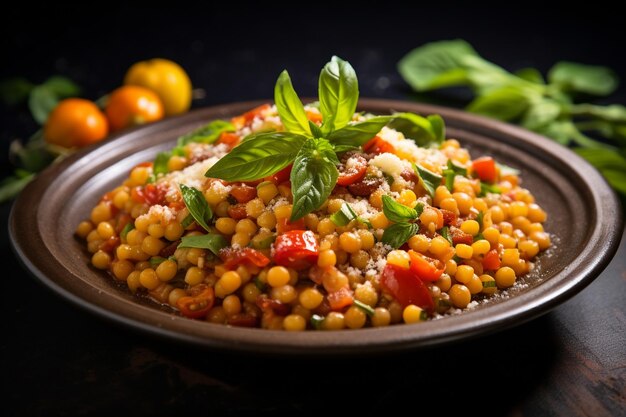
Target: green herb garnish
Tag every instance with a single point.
(317, 321)
(397, 234)
(211, 241)
(156, 261)
(366, 308)
(445, 233)
(197, 205)
(313, 149)
(546, 106)
(429, 180)
(345, 215)
(127, 228)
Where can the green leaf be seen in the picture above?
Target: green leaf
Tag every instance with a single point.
(419, 129)
(603, 158)
(338, 94)
(41, 102)
(505, 103)
(61, 86)
(197, 205)
(129, 226)
(436, 65)
(617, 179)
(317, 321)
(263, 244)
(263, 155)
(14, 91)
(397, 234)
(429, 180)
(438, 127)
(212, 242)
(290, 108)
(160, 163)
(155, 261)
(479, 219)
(365, 307)
(445, 233)
(11, 186)
(313, 176)
(187, 221)
(612, 113)
(540, 113)
(208, 133)
(530, 74)
(397, 212)
(315, 130)
(590, 79)
(507, 170)
(489, 284)
(360, 133)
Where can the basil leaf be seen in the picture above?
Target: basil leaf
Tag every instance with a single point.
(438, 127)
(11, 186)
(338, 94)
(212, 242)
(62, 87)
(313, 176)
(208, 133)
(445, 233)
(505, 103)
(429, 180)
(258, 157)
(611, 113)
(197, 205)
(187, 221)
(358, 134)
(397, 212)
(129, 226)
(160, 163)
(14, 91)
(436, 65)
(540, 113)
(41, 102)
(290, 108)
(530, 74)
(602, 158)
(398, 234)
(423, 131)
(344, 148)
(570, 76)
(315, 130)
(156, 261)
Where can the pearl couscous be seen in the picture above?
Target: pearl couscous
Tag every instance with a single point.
(407, 232)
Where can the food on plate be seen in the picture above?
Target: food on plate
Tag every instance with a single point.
(319, 217)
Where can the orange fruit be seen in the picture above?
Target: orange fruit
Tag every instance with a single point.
(131, 106)
(75, 122)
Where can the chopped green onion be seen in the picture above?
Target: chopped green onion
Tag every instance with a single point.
(129, 226)
(259, 284)
(445, 233)
(156, 261)
(489, 284)
(317, 321)
(366, 308)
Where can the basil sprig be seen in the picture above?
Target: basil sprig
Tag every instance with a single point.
(397, 234)
(313, 149)
(197, 205)
(211, 241)
(429, 180)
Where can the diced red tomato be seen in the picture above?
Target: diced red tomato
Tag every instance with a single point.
(247, 118)
(198, 303)
(150, 194)
(110, 244)
(232, 258)
(485, 168)
(280, 176)
(268, 304)
(297, 249)
(243, 193)
(340, 298)
(449, 217)
(406, 287)
(229, 138)
(351, 169)
(366, 186)
(459, 236)
(491, 261)
(428, 269)
(378, 145)
(284, 225)
(237, 211)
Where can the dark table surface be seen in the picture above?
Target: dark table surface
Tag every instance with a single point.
(59, 360)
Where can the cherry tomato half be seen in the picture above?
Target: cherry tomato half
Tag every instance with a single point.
(234, 257)
(351, 169)
(491, 260)
(198, 303)
(406, 287)
(297, 249)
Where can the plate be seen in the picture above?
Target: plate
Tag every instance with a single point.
(584, 217)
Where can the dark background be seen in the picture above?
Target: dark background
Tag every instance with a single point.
(57, 359)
